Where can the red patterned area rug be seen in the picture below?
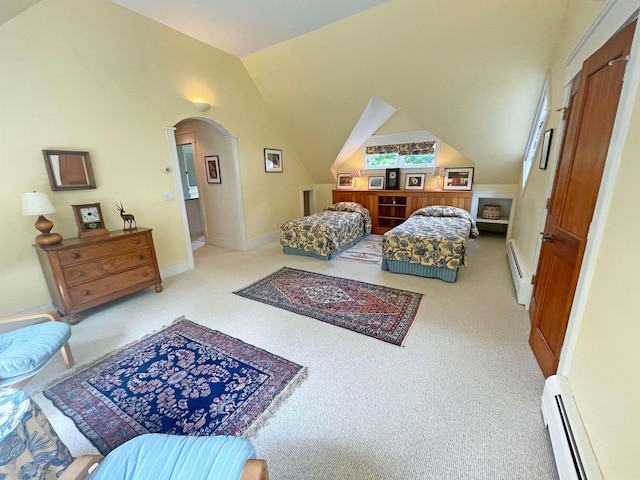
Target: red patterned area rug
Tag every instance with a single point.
(379, 312)
(184, 380)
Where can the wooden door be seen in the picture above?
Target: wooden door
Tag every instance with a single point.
(591, 114)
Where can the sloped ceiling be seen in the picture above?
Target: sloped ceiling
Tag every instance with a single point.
(469, 72)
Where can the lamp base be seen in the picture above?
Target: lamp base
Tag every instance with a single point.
(45, 225)
(49, 239)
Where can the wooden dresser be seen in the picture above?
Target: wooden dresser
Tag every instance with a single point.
(390, 208)
(84, 273)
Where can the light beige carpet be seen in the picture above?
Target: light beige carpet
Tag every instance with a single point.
(460, 400)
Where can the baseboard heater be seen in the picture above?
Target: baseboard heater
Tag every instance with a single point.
(571, 447)
(521, 277)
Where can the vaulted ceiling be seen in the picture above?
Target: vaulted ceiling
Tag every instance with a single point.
(470, 72)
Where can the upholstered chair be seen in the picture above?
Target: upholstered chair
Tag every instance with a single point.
(26, 350)
(173, 457)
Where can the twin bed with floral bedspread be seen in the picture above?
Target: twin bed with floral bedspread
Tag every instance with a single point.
(325, 234)
(432, 242)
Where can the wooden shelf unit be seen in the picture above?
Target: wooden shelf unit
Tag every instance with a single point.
(390, 208)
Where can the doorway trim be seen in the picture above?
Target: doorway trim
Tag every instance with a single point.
(232, 147)
(604, 27)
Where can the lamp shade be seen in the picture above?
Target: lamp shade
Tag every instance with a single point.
(36, 203)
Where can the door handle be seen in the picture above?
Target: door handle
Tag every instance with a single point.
(547, 237)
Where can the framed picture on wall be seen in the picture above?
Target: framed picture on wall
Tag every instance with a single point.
(458, 178)
(544, 151)
(272, 160)
(212, 165)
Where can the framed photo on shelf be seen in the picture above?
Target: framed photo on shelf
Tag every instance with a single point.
(544, 152)
(376, 182)
(414, 181)
(393, 179)
(212, 164)
(344, 182)
(458, 178)
(272, 160)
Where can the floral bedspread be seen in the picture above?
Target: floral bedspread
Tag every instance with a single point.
(325, 232)
(435, 236)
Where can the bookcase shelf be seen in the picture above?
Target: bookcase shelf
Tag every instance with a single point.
(389, 208)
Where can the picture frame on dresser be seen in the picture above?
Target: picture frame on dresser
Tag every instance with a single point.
(344, 181)
(414, 181)
(376, 182)
(458, 178)
(392, 181)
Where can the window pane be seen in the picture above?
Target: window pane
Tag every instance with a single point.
(428, 160)
(382, 160)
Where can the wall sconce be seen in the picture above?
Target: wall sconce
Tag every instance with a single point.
(440, 173)
(201, 105)
(355, 174)
(38, 203)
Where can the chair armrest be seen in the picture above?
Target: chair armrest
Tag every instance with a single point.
(254, 470)
(81, 467)
(51, 315)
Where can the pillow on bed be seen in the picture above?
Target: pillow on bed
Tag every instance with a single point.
(446, 211)
(347, 207)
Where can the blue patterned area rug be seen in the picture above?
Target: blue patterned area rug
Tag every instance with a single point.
(379, 312)
(184, 380)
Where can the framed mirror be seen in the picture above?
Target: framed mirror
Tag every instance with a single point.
(69, 170)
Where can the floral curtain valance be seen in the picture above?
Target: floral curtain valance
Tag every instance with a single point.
(418, 148)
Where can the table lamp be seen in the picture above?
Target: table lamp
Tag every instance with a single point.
(439, 172)
(38, 203)
(355, 174)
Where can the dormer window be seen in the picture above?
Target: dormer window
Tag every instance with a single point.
(403, 155)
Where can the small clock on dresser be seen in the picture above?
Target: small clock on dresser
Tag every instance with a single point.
(89, 219)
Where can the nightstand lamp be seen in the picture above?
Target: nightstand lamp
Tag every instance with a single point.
(439, 172)
(38, 203)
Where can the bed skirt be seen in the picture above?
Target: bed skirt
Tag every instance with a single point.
(298, 251)
(396, 266)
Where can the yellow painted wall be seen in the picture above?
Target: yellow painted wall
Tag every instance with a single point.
(604, 372)
(532, 200)
(94, 76)
(468, 71)
(605, 369)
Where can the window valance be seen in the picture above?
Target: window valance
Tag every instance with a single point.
(417, 148)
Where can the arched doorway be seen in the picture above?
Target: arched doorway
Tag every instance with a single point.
(220, 203)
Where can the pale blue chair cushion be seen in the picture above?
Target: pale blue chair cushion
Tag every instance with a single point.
(26, 350)
(157, 456)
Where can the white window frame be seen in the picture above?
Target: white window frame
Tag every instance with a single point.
(537, 129)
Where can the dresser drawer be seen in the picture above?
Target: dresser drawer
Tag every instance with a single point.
(84, 253)
(90, 291)
(85, 272)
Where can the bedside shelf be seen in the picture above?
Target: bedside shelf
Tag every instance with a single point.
(506, 200)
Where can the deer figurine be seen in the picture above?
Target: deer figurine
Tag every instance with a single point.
(128, 219)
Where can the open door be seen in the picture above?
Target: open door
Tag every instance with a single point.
(590, 117)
